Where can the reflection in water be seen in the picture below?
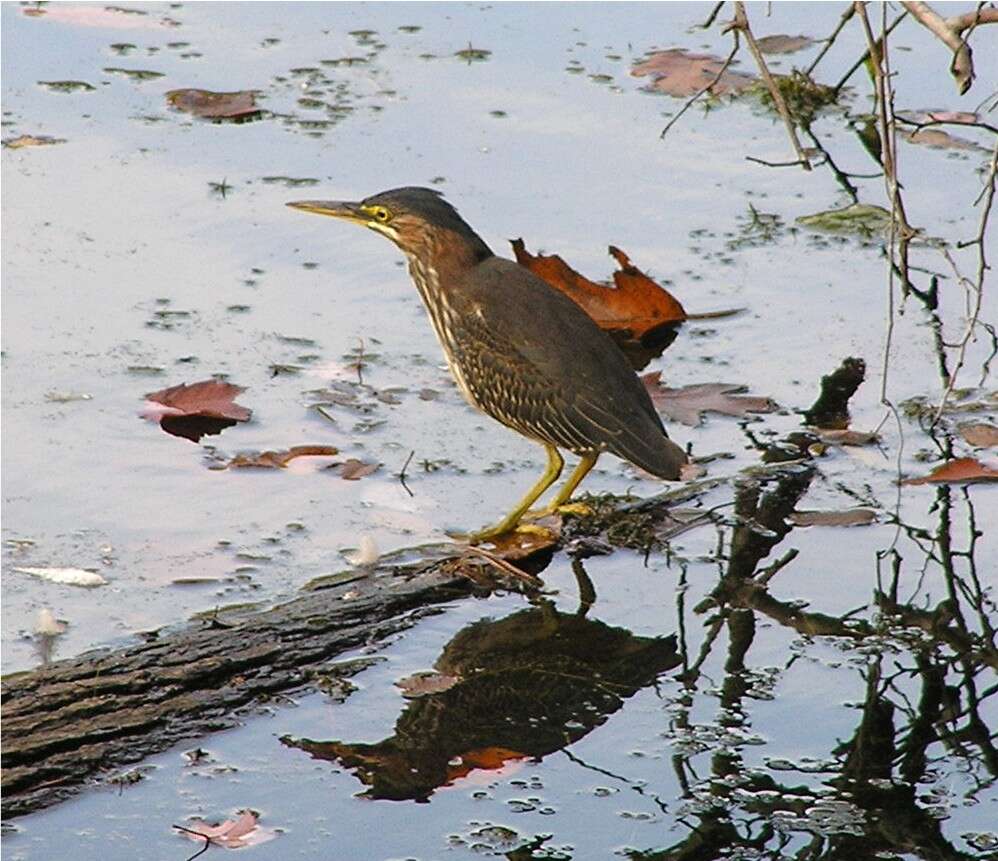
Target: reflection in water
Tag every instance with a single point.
(921, 720)
(530, 684)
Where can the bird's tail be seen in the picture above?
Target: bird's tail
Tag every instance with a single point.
(663, 459)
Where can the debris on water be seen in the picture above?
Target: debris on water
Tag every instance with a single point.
(65, 576)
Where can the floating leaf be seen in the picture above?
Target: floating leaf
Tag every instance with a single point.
(231, 834)
(962, 470)
(863, 219)
(23, 141)
(681, 73)
(979, 434)
(641, 315)
(279, 459)
(782, 44)
(240, 104)
(939, 139)
(194, 410)
(847, 517)
(65, 576)
(685, 405)
(426, 682)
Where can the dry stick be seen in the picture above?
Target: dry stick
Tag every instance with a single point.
(978, 288)
(866, 54)
(899, 222)
(696, 96)
(846, 16)
(741, 23)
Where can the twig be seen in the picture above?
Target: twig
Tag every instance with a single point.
(770, 571)
(205, 837)
(866, 54)
(742, 24)
(950, 32)
(696, 96)
(978, 287)
(712, 16)
(405, 466)
(918, 126)
(765, 163)
(503, 565)
(846, 17)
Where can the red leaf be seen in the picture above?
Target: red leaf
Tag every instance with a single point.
(232, 833)
(280, 459)
(214, 106)
(961, 470)
(354, 469)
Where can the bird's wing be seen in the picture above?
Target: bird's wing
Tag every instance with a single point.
(537, 362)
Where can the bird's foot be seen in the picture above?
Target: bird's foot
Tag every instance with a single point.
(579, 508)
(503, 531)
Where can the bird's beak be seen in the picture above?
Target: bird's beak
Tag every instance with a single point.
(336, 208)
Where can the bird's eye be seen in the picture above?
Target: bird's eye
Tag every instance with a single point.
(381, 214)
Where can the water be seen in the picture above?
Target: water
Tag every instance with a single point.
(106, 232)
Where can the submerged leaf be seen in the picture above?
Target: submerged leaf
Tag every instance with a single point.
(681, 73)
(354, 469)
(240, 104)
(979, 434)
(424, 683)
(686, 404)
(782, 44)
(864, 219)
(962, 470)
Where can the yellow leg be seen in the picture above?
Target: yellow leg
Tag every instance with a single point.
(509, 522)
(574, 480)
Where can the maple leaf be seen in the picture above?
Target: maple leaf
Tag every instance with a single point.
(979, 434)
(685, 405)
(962, 470)
(232, 833)
(196, 409)
(640, 315)
(682, 73)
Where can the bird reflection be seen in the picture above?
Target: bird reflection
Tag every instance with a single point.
(529, 685)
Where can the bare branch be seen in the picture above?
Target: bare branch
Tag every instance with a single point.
(699, 94)
(741, 23)
(950, 32)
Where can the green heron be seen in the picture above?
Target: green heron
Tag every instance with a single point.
(520, 350)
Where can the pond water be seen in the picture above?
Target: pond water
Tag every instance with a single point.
(151, 248)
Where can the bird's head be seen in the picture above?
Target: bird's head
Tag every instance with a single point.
(417, 220)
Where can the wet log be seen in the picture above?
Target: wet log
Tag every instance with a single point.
(66, 722)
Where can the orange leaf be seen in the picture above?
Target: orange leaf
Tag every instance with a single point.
(636, 304)
(191, 411)
(961, 470)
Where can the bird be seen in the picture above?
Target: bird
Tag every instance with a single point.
(520, 350)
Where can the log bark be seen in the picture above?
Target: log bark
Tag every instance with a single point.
(65, 723)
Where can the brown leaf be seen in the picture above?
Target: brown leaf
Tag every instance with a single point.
(31, 140)
(354, 469)
(192, 411)
(939, 139)
(959, 471)
(681, 73)
(686, 404)
(979, 434)
(232, 833)
(635, 305)
(782, 44)
(424, 683)
(846, 436)
(847, 517)
(209, 398)
(214, 106)
(280, 459)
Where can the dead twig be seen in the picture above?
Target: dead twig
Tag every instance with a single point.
(703, 90)
(846, 17)
(866, 54)
(741, 24)
(405, 466)
(976, 289)
(950, 31)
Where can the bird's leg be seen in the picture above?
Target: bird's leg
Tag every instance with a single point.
(509, 522)
(558, 503)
